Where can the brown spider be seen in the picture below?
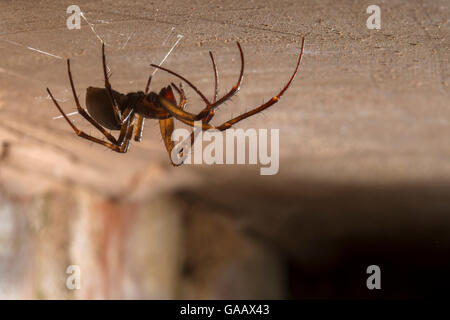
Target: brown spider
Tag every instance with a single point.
(116, 111)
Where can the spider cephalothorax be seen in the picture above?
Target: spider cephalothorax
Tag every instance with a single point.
(113, 110)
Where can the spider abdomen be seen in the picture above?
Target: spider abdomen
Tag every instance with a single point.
(100, 108)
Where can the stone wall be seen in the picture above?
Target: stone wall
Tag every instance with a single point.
(157, 249)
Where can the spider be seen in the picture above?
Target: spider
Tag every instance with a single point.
(109, 109)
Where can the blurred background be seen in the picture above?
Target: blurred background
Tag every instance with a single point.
(364, 173)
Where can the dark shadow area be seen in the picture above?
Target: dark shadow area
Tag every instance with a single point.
(329, 234)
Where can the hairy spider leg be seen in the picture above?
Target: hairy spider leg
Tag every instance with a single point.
(186, 146)
(140, 118)
(209, 106)
(129, 129)
(139, 128)
(121, 146)
(180, 91)
(216, 79)
(117, 113)
(208, 112)
(189, 118)
(167, 125)
(183, 152)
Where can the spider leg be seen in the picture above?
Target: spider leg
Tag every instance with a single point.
(206, 111)
(216, 87)
(185, 80)
(195, 132)
(141, 119)
(139, 128)
(84, 135)
(267, 104)
(116, 109)
(182, 94)
(189, 118)
(181, 115)
(167, 127)
(125, 126)
(83, 112)
(216, 78)
(147, 87)
(125, 144)
(175, 110)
